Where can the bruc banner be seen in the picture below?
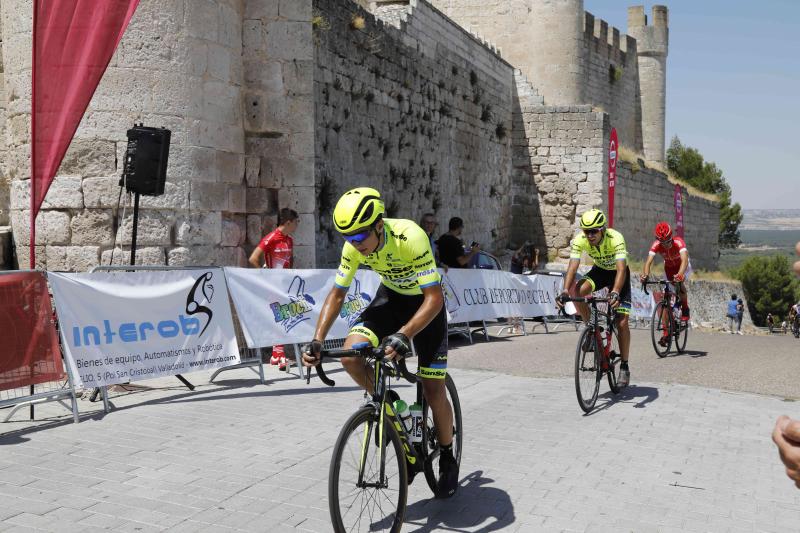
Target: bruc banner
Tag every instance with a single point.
(283, 306)
(128, 326)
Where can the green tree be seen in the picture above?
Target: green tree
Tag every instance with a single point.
(769, 284)
(688, 164)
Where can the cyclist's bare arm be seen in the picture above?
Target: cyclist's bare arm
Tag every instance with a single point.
(569, 278)
(647, 265)
(622, 266)
(330, 310)
(684, 262)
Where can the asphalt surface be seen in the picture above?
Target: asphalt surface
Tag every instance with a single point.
(237, 455)
(762, 364)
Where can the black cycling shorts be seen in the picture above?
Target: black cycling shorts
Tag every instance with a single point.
(389, 311)
(601, 278)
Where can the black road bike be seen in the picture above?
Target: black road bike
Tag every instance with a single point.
(667, 320)
(374, 454)
(598, 352)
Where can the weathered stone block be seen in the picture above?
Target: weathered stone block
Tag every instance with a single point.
(258, 201)
(100, 192)
(155, 228)
(295, 10)
(231, 167)
(255, 229)
(64, 193)
(208, 196)
(237, 198)
(263, 9)
(198, 229)
(202, 20)
(233, 231)
(176, 196)
(53, 227)
(289, 40)
(193, 256)
(92, 227)
(72, 258)
(232, 256)
(301, 199)
(264, 75)
(304, 256)
(252, 171)
(147, 255)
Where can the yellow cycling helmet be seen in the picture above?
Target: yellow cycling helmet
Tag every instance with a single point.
(593, 218)
(357, 209)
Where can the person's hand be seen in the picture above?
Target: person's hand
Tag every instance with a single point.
(614, 299)
(311, 353)
(396, 346)
(787, 436)
(561, 298)
(678, 278)
(643, 277)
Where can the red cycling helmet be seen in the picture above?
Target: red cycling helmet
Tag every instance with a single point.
(663, 231)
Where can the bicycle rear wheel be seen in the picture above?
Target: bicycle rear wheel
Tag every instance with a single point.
(379, 502)
(614, 363)
(658, 327)
(587, 370)
(431, 439)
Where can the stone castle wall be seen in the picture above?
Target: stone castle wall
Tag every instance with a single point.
(417, 108)
(645, 197)
(180, 65)
(611, 78)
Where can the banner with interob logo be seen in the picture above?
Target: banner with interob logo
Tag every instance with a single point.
(127, 326)
(283, 306)
(475, 294)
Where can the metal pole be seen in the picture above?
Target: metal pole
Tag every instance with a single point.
(135, 225)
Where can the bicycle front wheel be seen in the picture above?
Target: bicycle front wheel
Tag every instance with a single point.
(681, 335)
(363, 496)
(658, 329)
(587, 370)
(431, 438)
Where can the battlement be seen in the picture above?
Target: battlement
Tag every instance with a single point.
(637, 17)
(599, 29)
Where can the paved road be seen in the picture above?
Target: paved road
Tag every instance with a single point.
(761, 364)
(242, 456)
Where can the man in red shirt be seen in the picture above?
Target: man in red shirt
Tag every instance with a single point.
(275, 251)
(676, 264)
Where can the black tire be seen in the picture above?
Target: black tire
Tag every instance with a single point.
(430, 440)
(656, 329)
(615, 362)
(681, 335)
(587, 372)
(386, 505)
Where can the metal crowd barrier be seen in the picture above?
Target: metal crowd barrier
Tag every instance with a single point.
(51, 391)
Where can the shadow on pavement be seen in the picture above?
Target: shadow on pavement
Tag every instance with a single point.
(638, 395)
(690, 353)
(474, 505)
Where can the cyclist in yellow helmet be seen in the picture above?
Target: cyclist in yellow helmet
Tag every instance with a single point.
(408, 304)
(607, 249)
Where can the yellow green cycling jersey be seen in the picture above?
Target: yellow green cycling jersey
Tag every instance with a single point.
(605, 255)
(405, 263)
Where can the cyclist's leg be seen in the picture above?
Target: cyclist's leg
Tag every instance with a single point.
(377, 321)
(431, 347)
(585, 287)
(623, 312)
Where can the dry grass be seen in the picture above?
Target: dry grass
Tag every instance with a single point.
(636, 159)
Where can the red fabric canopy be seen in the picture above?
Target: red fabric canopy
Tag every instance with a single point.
(73, 41)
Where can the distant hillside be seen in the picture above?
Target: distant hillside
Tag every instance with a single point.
(770, 219)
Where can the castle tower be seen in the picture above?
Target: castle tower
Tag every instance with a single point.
(651, 47)
(551, 53)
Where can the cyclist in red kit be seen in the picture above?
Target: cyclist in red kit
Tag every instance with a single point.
(676, 264)
(275, 251)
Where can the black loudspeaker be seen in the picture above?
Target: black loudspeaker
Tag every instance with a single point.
(145, 168)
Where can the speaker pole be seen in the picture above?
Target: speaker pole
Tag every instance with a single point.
(135, 226)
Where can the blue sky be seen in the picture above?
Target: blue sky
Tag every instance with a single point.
(733, 90)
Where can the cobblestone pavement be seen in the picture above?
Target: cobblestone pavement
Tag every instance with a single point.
(243, 456)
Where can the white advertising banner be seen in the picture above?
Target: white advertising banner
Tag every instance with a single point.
(283, 306)
(129, 326)
(476, 294)
(642, 305)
